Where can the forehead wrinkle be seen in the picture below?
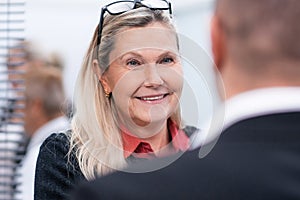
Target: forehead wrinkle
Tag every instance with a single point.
(144, 37)
(144, 52)
(150, 52)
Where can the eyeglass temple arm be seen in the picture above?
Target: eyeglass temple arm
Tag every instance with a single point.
(170, 9)
(100, 29)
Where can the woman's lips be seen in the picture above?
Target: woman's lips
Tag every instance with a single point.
(153, 98)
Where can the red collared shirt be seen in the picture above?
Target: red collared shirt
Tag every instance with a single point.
(139, 148)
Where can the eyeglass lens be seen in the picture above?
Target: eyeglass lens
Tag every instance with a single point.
(155, 4)
(120, 6)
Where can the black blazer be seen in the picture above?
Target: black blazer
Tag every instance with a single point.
(257, 158)
(57, 174)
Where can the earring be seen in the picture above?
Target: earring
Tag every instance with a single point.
(107, 94)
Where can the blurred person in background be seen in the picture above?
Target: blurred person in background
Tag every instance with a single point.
(21, 55)
(257, 50)
(126, 100)
(12, 137)
(43, 114)
(24, 56)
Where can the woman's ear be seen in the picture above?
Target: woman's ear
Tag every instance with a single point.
(96, 68)
(102, 77)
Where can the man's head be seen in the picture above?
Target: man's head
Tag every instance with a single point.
(259, 39)
(44, 97)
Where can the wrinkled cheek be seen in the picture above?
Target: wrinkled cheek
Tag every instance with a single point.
(174, 79)
(178, 86)
(132, 109)
(122, 107)
(122, 93)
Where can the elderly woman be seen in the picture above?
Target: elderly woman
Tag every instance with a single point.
(126, 100)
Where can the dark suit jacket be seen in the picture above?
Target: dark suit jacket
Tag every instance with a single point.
(257, 158)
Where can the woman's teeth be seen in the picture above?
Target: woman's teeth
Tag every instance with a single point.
(152, 98)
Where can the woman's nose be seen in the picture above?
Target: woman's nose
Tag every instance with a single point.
(153, 77)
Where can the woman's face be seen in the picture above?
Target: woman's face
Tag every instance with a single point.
(144, 75)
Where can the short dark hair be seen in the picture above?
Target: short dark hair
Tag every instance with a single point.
(261, 29)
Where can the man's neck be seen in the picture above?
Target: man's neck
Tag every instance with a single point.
(236, 80)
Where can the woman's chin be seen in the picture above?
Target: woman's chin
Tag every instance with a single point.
(152, 120)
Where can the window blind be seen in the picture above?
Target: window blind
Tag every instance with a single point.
(12, 15)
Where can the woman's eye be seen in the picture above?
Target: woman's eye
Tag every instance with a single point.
(133, 63)
(167, 60)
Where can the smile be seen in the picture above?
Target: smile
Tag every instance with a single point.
(153, 98)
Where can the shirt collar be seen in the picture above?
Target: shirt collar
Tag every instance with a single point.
(246, 105)
(179, 140)
(261, 102)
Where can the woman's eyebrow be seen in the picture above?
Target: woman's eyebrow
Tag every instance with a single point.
(169, 53)
(133, 53)
(137, 54)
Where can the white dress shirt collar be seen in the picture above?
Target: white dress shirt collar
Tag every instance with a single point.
(261, 102)
(247, 105)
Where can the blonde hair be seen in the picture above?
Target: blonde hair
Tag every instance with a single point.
(96, 138)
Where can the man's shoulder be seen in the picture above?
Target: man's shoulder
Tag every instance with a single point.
(282, 125)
